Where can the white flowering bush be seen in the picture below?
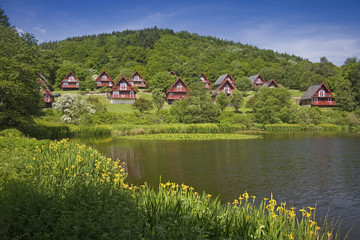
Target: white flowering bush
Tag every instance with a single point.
(73, 108)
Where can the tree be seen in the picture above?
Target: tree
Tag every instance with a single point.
(243, 84)
(158, 98)
(197, 108)
(4, 20)
(20, 97)
(273, 106)
(142, 105)
(236, 99)
(222, 100)
(162, 80)
(73, 108)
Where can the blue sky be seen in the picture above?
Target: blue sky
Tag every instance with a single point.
(307, 28)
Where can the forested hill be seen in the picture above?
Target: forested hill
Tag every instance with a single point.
(154, 50)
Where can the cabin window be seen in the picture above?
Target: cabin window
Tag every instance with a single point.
(123, 86)
(115, 92)
(179, 87)
(103, 77)
(131, 94)
(110, 83)
(77, 84)
(98, 82)
(71, 78)
(136, 78)
(65, 83)
(322, 93)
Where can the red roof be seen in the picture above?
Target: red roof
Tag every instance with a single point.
(137, 73)
(179, 79)
(67, 76)
(205, 78)
(131, 88)
(104, 72)
(220, 86)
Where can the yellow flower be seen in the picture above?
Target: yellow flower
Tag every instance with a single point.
(317, 228)
(246, 195)
(329, 235)
(290, 236)
(208, 196)
(236, 202)
(311, 208)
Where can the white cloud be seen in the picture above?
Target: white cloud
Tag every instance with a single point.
(307, 41)
(19, 30)
(40, 30)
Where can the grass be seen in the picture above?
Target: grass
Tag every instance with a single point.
(62, 190)
(198, 136)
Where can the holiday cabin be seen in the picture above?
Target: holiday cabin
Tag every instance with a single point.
(177, 91)
(70, 82)
(227, 86)
(224, 78)
(48, 97)
(205, 81)
(257, 80)
(104, 80)
(317, 95)
(172, 73)
(270, 84)
(123, 92)
(137, 80)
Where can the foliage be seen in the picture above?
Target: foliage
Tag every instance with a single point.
(222, 100)
(243, 84)
(20, 97)
(198, 107)
(73, 108)
(236, 99)
(4, 20)
(192, 136)
(162, 80)
(142, 105)
(273, 106)
(158, 98)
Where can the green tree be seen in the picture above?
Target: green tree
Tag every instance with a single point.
(197, 108)
(158, 97)
(222, 100)
(20, 98)
(273, 106)
(4, 20)
(142, 105)
(243, 84)
(162, 80)
(236, 99)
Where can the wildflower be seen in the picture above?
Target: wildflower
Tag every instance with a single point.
(311, 208)
(208, 196)
(265, 199)
(290, 236)
(236, 202)
(329, 235)
(246, 195)
(191, 189)
(253, 197)
(34, 158)
(317, 228)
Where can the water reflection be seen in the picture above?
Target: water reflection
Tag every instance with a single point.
(305, 169)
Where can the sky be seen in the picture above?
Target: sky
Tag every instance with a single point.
(307, 28)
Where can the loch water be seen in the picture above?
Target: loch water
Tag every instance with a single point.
(303, 169)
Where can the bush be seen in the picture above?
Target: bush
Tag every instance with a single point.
(11, 132)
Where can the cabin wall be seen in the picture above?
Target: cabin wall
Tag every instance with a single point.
(122, 101)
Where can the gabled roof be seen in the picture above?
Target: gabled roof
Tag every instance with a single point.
(46, 90)
(179, 79)
(104, 72)
(137, 73)
(43, 80)
(172, 73)
(127, 82)
(268, 83)
(312, 90)
(70, 73)
(221, 85)
(205, 78)
(254, 77)
(221, 79)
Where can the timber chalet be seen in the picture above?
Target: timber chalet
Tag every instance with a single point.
(70, 82)
(137, 80)
(123, 92)
(48, 96)
(270, 84)
(318, 95)
(104, 80)
(224, 78)
(257, 80)
(177, 91)
(205, 81)
(226, 86)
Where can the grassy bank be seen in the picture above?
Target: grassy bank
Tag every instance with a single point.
(59, 190)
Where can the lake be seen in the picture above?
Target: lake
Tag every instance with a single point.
(305, 169)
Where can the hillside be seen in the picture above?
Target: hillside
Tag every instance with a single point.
(155, 50)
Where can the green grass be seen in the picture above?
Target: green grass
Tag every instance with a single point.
(296, 93)
(62, 190)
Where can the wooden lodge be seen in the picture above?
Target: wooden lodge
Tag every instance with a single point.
(48, 97)
(270, 84)
(224, 78)
(122, 92)
(177, 91)
(227, 86)
(137, 80)
(104, 80)
(205, 81)
(317, 95)
(70, 82)
(257, 80)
